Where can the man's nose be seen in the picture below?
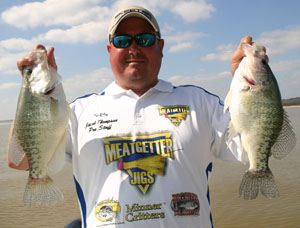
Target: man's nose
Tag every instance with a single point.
(134, 47)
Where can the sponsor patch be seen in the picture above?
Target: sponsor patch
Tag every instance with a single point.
(176, 113)
(185, 203)
(142, 157)
(107, 210)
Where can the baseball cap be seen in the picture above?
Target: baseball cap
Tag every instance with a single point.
(132, 11)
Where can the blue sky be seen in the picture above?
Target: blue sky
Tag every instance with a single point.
(200, 36)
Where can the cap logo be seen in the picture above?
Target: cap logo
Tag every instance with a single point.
(127, 11)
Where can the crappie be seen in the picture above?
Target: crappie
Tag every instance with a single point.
(40, 129)
(254, 102)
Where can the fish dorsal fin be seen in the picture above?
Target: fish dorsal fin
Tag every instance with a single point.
(227, 100)
(286, 140)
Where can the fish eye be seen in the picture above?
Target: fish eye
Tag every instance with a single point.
(264, 62)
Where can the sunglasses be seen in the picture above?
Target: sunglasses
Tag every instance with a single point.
(143, 39)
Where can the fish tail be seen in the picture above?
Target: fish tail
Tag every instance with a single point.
(41, 191)
(252, 182)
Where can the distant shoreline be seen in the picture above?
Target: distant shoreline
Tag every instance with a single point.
(291, 106)
(5, 121)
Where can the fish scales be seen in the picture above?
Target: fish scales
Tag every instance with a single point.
(254, 102)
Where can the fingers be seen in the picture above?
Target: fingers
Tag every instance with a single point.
(21, 63)
(51, 58)
(26, 61)
(239, 54)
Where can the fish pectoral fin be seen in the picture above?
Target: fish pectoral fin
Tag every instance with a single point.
(15, 151)
(231, 132)
(227, 100)
(286, 140)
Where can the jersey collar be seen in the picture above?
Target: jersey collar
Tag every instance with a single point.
(161, 86)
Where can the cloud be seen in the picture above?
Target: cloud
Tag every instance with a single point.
(277, 42)
(9, 85)
(223, 53)
(17, 44)
(181, 46)
(280, 41)
(91, 32)
(191, 11)
(284, 66)
(8, 63)
(55, 12)
(82, 84)
(183, 40)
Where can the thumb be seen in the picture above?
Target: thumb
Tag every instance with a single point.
(239, 54)
(51, 58)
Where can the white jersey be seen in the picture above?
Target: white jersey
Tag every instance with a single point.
(145, 161)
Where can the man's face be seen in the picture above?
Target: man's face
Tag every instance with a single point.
(136, 67)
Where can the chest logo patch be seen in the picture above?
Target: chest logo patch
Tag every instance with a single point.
(142, 157)
(176, 113)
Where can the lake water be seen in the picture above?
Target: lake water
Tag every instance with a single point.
(229, 211)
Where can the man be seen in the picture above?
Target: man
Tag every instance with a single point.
(141, 150)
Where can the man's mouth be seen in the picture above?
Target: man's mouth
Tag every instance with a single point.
(134, 60)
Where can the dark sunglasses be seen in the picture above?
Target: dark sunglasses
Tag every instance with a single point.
(143, 39)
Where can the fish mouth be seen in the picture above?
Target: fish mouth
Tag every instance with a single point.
(49, 91)
(249, 81)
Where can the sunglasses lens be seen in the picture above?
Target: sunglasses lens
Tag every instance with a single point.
(145, 40)
(122, 41)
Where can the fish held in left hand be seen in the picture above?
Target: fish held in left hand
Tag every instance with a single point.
(257, 114)
(40, 129)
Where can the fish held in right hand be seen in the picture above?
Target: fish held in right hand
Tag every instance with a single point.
(40, 129)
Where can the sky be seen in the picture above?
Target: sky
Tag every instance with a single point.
(200, 37)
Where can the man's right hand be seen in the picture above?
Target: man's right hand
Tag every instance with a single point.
(21, 63)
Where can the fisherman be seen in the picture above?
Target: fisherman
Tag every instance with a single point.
(141, 149)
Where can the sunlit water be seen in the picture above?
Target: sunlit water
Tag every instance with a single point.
(229, 211)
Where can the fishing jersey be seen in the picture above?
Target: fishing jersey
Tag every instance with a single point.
(146, 161)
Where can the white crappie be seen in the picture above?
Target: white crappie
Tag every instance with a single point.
(254, 102)
(40, 129)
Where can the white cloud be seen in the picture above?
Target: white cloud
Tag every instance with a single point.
(280, 41)
(9, 85)
(183, 41)
(276, 42)
(180, 47)
(8, 63)
(18, 44)
(223, 53)
(55, 12)
(82, 84)
(90, 32)
(191, 11)
(284, 66)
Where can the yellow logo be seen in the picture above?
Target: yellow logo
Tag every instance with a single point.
(175, 113)
(142, 157)
(107, 210)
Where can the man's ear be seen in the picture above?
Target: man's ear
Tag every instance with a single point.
(108, 47)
